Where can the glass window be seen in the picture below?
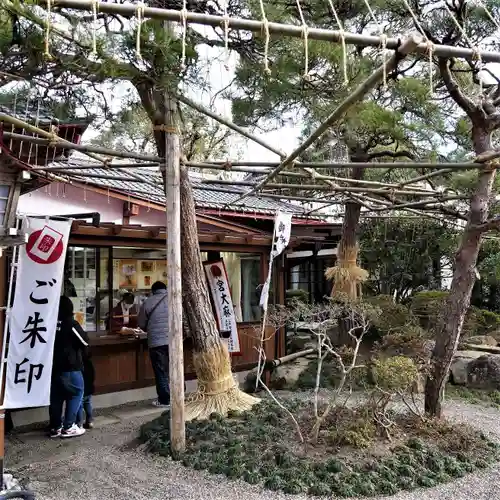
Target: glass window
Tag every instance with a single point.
(243, 270)
(80, 284)
(134, 271)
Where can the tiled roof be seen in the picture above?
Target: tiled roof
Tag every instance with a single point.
(203, 195)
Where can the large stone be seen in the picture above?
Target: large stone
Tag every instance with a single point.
(484, 372)
(287, 375)
(481, 340)
(492, 349)
(297, 343)
(459, 366)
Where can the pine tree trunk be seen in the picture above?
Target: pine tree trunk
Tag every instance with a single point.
(200, 318)
(346, 275)
(217, 390)
(464, 276)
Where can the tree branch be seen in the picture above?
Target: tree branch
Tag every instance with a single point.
(454, 90)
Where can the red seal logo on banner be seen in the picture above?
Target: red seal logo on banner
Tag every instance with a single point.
(45, 246)
(216, 271)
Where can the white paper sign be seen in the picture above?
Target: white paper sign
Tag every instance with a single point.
(221, 296)
(281, 238)
(33, 317)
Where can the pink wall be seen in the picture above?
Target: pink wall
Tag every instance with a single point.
(58, 199)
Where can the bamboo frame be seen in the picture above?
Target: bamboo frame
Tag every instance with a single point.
(228, 123)
(237, 166)
(333, 36)
(341, 109)
(322, 187)
(53, 139)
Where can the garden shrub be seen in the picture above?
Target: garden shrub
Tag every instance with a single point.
(393, 317)
(429, 306)
(394, 374)
(259, 449)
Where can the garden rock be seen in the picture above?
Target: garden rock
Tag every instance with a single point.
(481, 340)
(287, 375)
(459, 366)
(484, 372)
(297, 343)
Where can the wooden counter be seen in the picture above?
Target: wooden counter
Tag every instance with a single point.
(122, 363)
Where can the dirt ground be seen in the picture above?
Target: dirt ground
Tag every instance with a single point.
(105, 464)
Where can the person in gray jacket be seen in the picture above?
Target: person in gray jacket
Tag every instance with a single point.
(153, 319)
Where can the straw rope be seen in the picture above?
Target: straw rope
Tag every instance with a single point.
(140, 16)
(342, 41)
(184, 33)
(383, 42)
(265, 24)
(305, 36)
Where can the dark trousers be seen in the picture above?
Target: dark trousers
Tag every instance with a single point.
(159, 361)
(67, 387)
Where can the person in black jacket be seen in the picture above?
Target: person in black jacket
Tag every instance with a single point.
(88, 378)
(67, 378)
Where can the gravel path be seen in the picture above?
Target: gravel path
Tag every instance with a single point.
(105, 464)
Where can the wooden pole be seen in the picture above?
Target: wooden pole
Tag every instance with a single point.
(174, 286)
(4, 285)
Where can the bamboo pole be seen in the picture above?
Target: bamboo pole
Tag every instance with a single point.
(424, 177)
(328, 35)
(339, 112)
(229, 165)
(89, 166)
(229, 124)
(174, 289)
(235, 166)
(53, 138)
(320, 187)
(59, 142)
(421, 203)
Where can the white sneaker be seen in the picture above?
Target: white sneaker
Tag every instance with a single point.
(157, 404)
(73, 431)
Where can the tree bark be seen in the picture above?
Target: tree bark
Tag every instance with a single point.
(464, 276)
(200, 318)
(346, 274)
(217, 390)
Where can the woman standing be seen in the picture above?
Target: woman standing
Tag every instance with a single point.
(67, 378)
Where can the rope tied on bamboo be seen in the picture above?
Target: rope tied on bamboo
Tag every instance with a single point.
(184, 13)
(140, 16)
(430, 52)
(46, 52)
(342, 41)
(267, 36)
(166, 128)
(305, 36)
(95, 8)
(53, 140)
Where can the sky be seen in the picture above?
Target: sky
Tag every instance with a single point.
(219, 69)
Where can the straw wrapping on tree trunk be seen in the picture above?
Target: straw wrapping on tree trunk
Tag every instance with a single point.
(346, 275)
(217, 390)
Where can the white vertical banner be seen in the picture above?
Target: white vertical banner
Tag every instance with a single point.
(220, 292)
(281, 238)
(33, 317)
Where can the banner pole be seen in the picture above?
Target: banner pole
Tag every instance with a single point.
(5, 298)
